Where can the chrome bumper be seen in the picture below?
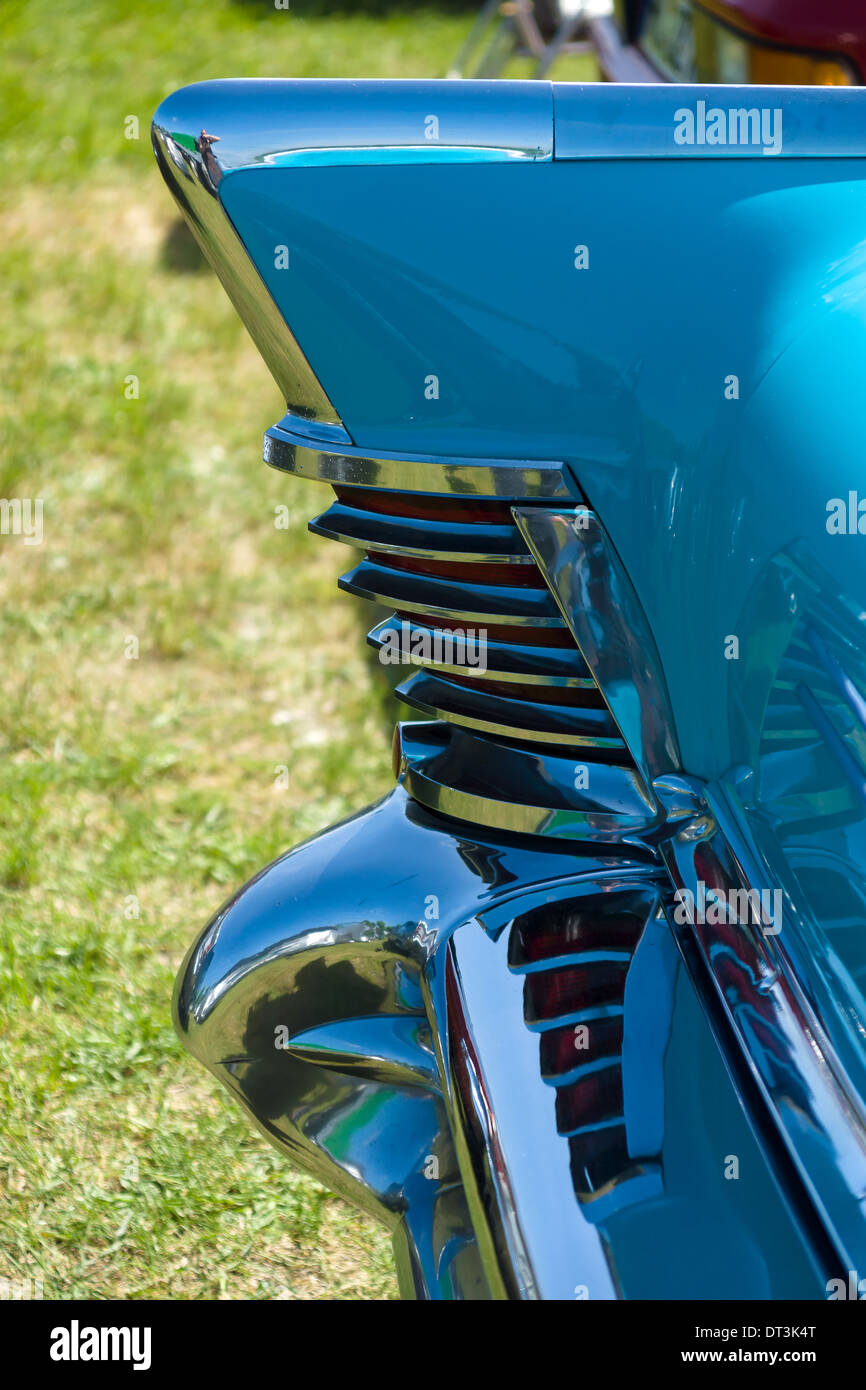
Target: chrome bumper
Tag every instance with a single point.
(365, 999)
(489, 1043)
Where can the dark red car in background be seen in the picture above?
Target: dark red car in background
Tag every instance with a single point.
(798, 42)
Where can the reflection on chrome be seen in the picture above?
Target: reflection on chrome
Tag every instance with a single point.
(190, 169)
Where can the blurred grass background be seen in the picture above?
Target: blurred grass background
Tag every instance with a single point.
(135, 794)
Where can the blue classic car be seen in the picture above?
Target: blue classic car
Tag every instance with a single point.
(578, 1009)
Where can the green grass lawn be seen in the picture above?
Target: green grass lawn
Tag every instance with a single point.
(137, 792)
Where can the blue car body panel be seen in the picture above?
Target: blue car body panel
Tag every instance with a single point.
(754, 270)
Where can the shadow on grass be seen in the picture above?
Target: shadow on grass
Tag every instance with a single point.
(180, 251)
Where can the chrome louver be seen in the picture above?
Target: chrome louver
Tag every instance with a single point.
(510, 741)
(500, 594)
